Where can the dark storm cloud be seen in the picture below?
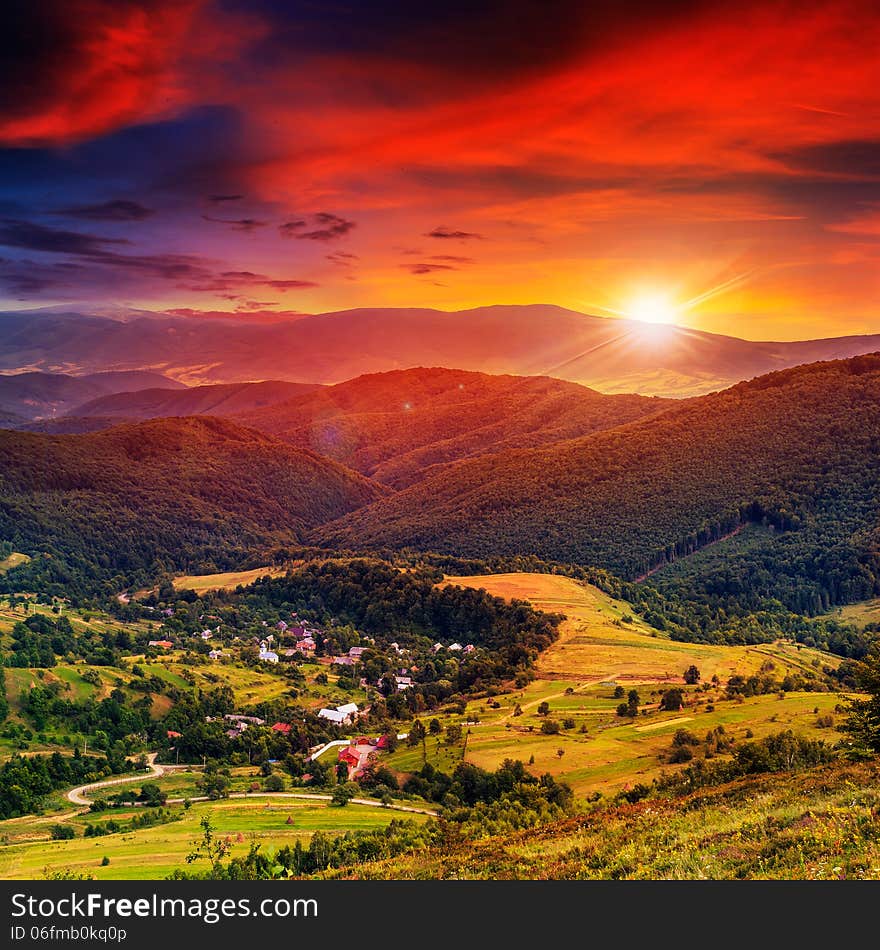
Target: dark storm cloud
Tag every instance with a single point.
(321, 227)
(451, 234)
(116, 210)
(219, 199)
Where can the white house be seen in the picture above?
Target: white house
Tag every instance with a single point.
(268, 656)
(341, 714)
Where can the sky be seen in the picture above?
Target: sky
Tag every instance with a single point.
(714, 164)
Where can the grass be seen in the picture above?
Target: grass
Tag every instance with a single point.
(814, 825)
(598, 649)
(12, 560)
(153, 853)
(202, 583)
(860, 614)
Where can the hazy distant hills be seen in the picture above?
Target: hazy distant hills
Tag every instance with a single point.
(799, 449)
(170, 493)
(610, 355)
(35, 395)
(223, 399)
(393, 426)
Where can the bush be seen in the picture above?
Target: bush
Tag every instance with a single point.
(63, 832)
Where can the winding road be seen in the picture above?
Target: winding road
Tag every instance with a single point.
(78, 795)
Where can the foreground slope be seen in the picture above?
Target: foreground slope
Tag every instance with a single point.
(813, 825)
(183, 493)
(798, 450)
(393, 426)
(609, 354)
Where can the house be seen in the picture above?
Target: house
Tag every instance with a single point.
(206, 634)
(173, 735)
(299, 632)
(281, 625)
(403, 682)
(238, 717)
(215, 654)
(164, 644)
(438, 647)
(341, 714)
(470, 648)
(268, 656)
(282, 727)
(307, 645)
(343, 661)
(357, 652)
(350, 757)
(456, 647)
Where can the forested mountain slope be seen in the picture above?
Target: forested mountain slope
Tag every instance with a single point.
(190, 493)
(798, 450)
(393, 426)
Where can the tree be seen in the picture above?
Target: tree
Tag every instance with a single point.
(434, 727)
(692, 675)
(618, 692)
(274, 783)
(416, 732)
(550, 727)
(862, 724)
(343, 794)
(453, 733)
(672, 700)
(543, 709)
(632, 704)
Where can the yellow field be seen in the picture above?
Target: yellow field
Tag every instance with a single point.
(861, 614)
(202, 583)
(14, 559)
(596, 645)
(597, 651)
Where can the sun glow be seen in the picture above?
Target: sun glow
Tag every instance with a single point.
(652, 308)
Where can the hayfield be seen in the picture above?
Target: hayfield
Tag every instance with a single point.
(603, 645)
(153, 853)
(202, 583)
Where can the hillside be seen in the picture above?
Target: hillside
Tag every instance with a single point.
(219, 400)
(608, 354)
(182, 494)
(798, 450)
(25, 396)
(816, 825)
(393, 426)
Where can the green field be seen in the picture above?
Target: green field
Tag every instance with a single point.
(597, 650)
(153, 853)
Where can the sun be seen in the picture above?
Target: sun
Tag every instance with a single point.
(652, 308)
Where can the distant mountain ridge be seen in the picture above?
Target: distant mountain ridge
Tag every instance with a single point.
(529, 340)
(36, 395)
(221, 399)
